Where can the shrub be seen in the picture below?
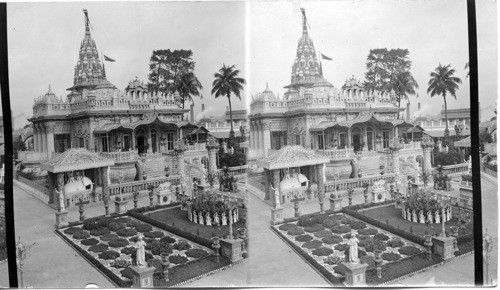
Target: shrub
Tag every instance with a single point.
(303, 238)
(329, 223)
(177, 259)
(337, 217)
(341, 247)
(167, 240)
(390, 257)
(196, 253)
(81, 235)
(109, 255)
(90, 242)
(361, 253)
(373, 245)
(357, 225)
(347, 236)
(341, 229)
(155, 234)
(314, 244)
(143, 228)
(323, 251)
(314, 228)
(92, 224)
(122, 220)
(126, 232)
(108, 237)
(286, 227)
(339, 269)
(134, 239)
(323, 234)
(120, 263)
(381, 236)
(114, 226)
(127, 273)
(182, 245)
(72, 230)
(319, 218)
(332, 240)
(368, 232)
(157, 248)
(395, 243)
(409, 251)
(156, 263)
(118, 243)
(295, 232)
(133, 223)
(362, 237)
(128, 250)
(99, 232)
(99, 248)
(306, 221)
(368, 260)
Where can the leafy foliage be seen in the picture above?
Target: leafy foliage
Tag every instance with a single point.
(314, 244)
(314, 228)
(72, 230)
(323, 234)
(409, 251)
(196, 253)
(391, 257)
(90, 242)
(118, 243)
(126, 232)
(395, 243)
(108, 237)
(295, 232)
(304, 238)
(286, 227)
(177, 259)
(155, 234)
(81, 235)
(182, 245)
(109, 255)
(99, 248)
(341, 229)
(99, 231)
(322, 251)
(374, 245)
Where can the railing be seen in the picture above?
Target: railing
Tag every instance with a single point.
(33, 184)
(466, 184)
(120, 156)
(236, 170)
(83, 195)
(412, 145)
(135, 186)
(453, 169)
(345, 184)
(32, 156)
(336, 153)
(196, 147)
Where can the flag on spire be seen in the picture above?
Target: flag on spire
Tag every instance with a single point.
(325, 57)
(108, 59)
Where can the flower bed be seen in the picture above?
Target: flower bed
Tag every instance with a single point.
(326, 247)
(112, 252)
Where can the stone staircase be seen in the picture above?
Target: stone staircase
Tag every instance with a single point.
(155, 166)
(370, 164)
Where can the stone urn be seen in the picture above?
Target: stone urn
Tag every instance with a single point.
(335, 202)
(454, 233)
(164, 259)
(350, 192)
(216, 246)
(428, 244)
(296, 207)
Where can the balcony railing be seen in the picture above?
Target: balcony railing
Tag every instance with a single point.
(120, 156)
(412, 145)
(345, 184)
(454, 169)
(335, 154)
(135, 186)
(32, 156)
(236, 170)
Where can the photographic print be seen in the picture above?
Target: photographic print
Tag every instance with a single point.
(252, 144)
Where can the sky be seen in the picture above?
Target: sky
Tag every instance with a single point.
(433, 31)
(44, 40)
(260, 38)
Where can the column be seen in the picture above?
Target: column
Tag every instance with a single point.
(35, 141)
(150, 145)
(104, 181)
(276, 184)
(267, 183)
(427, 147)
(49, 129)
(212, 147)
(252, 138)
(394, 148)
(321, 187)
(39, 138)
(365, 138)
(52, 193)
(44, 139)
(60, 186)
(266, 137)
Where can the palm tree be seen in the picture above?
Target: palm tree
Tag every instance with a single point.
(442, 81)
(404, 84)
(227, 82)
(187, 85)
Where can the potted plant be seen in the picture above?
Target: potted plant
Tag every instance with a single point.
(382, 166)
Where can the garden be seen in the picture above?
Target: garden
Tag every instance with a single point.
(109, 243)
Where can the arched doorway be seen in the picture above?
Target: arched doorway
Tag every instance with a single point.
(141, 141)
(154, 141)
(369, 138)
(356, 139)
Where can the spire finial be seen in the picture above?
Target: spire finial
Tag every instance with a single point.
(304, 21)
(87, 21)
(267, 86)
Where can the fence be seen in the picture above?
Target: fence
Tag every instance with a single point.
(236, 170)
(33, 184)
(135, 186)
(85, 196)
(345, 184)
(454, 169)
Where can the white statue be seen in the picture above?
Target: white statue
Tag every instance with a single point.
(414, 216)
(408, 214)
(216, 219)
(276, 196)
(141, 253)
(235, 215)
(429, 217)
(200, 217)
(353, 248)
(195, 217)
(438, 217)
(449, 213)
(421, 216)
(208, 219)
(403, 211)
(61, 200)
(190, 215)
(224, 219)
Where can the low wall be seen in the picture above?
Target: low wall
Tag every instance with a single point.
(33, 191)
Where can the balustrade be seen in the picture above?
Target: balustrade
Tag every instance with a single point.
(345, 184)
(32, 156)
(121, 156)
(336, 153)
(135, 186)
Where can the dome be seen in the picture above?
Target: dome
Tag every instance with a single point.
(289, 183)
(105, 84)
(78, 185)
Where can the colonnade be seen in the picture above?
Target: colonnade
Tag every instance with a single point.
(43, 138)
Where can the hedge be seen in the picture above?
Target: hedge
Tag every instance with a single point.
(304, 238)
(327, 274)
(314, 244)
(117, 280)
(332, 240)
(187, 235)
(177, 259)
(196, 253)
(286, 227)
(295, 231)
(323, 251)
(323, 234)
(314, 228)
(155, 234)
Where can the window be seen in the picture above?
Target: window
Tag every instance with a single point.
(61, 142)
(170, 141)
(385, 138)
(343, 140)
(321, 145)
(297, 139)
(127, 142)
(104, 143)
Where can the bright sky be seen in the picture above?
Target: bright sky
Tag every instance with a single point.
(433, 31)
(44, 40)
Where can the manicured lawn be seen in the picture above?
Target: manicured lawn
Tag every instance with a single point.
(178, 217)
(393, 214)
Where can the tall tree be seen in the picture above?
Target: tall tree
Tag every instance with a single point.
(227, 82)
(404, 84)
(442, 82)
(187, 85)
(165, 66)
(376, 69)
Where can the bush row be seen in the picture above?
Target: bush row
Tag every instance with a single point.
(327, 274)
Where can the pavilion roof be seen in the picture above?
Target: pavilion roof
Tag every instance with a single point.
(76, 159)
(363, 117)
(463, 143)
(292, 156)
(152, 119)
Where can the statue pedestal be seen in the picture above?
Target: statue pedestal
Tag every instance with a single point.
(231, 248)
(375, 195)
(61, 219)
(121, 206)
(142, 276)
(443, 246)
(165, 197)
(276, 215)
(335, 204)
(355, 274)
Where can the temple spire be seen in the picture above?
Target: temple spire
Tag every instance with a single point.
(304, 21)
(87, 21)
